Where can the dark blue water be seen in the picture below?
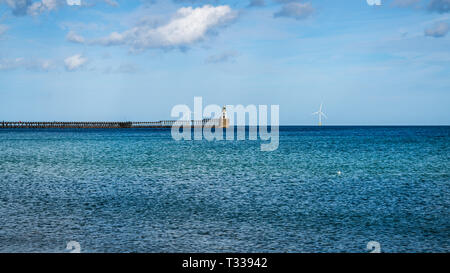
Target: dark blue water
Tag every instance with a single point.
(137, 190)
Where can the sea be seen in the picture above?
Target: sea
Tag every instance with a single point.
(325, 189)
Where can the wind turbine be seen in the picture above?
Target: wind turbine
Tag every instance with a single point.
(320, 114)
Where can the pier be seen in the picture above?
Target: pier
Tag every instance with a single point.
(220, 122)
(106, 125)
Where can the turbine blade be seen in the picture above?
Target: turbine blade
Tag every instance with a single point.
(323, 114)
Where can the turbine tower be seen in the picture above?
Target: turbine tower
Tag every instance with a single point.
(320, 114)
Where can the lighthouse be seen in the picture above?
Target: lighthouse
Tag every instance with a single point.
(224, 121)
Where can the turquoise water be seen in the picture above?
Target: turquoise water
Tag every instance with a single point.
(135, 190)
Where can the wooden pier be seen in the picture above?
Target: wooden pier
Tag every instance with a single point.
(104, 125)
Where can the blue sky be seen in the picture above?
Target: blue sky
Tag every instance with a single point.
(135, 60)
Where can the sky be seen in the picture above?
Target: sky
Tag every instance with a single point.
(369, 62)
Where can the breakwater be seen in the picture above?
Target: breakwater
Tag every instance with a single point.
(104, 125)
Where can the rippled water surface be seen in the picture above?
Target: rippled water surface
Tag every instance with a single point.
(136, 190)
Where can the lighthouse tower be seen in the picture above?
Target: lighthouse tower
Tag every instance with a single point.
(224, 121)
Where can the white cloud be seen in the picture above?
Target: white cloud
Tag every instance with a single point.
(297, 11)
(74, 62)
(187, 26)
(75, 38)
(438, 30)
